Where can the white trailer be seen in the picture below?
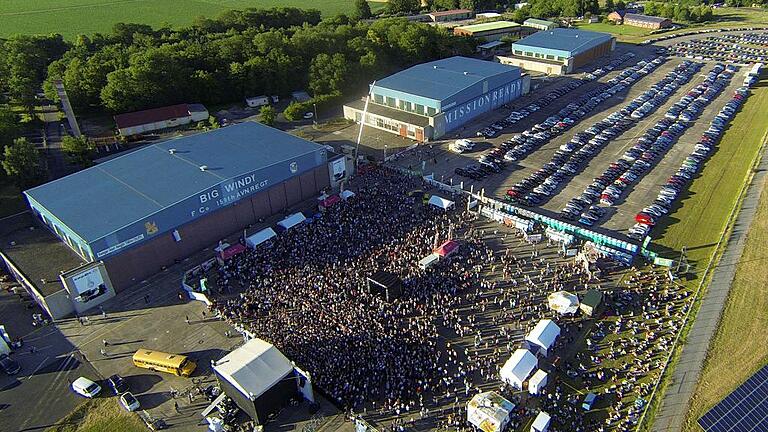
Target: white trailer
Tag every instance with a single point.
(257, 101)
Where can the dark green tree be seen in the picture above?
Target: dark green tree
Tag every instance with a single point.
(403, 6)
(9, 127)
(268, 115)
(21, 161)
(609, 6)
(79, 150)
(362, 9)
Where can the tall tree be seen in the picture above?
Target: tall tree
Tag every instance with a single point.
(609, 6)
(362, 9)
(79, 150)
(445, 4)
(9, 127)
(268, 115)
(21, 161)
(403, 6)
(328, 74)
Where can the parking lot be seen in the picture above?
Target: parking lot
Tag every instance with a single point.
(621, 215)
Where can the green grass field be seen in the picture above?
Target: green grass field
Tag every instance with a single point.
(623, 30)
(99, 415)
(73, 17)
(698, 223)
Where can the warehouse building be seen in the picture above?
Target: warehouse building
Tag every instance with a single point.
(428, 100)
(155, 119)
(539, 24)
(490, 31)
(639, 20)
(558, 51)
(142, 211)
(451, 15)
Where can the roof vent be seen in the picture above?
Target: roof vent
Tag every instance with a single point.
(466, 73)
(203, 167)
(435, 67)
(172, 151)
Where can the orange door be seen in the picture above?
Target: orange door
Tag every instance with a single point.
(403, 131)
(420, 135)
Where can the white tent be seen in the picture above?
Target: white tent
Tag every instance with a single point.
(346, 194)
(440, 202)
(563, 302)
(253, 368)
(543, 336)
(518, 368)
(489, 411)
(537, 382)
(260, 237)
(541, 423)
(291, 221)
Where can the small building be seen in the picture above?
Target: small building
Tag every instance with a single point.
(487, 15)
(590, 303)
(541, 339)
(491, 48)
(489, 411)
(558, 51)
(518, 6)
(518, 368)
(300, 96)
(451, 15)
(490, 31)
(258, 378)
(257, 101)
(539, 24)
(639, 20)
(537, 382)
(155, 119)
(541, 423)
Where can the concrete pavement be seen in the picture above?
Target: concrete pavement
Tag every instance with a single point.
(677, 396)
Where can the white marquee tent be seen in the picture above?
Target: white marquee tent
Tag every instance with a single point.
(563, 302)
(254, 367)
(440, 202)
(537, 382)
(291, 221)
(489, 411)
(260, 237)
(346, 194)
(543, 336)
(541, 423)
(518, 368)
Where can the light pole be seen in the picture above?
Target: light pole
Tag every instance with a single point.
(385, 152)
(314, 105)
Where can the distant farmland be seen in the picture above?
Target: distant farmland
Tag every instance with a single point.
(73, 17)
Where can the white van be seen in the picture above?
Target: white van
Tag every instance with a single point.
(428, 261)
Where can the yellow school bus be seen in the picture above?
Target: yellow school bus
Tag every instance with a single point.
(176, 364)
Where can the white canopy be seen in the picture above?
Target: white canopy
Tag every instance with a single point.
(544, 334)
(440, 202)
(537, 382)
(518, 368)
(345, 194)
(489, 411)
(260, 237)
(253, 368)
(291, 221)
(541, 423)
(563, 302)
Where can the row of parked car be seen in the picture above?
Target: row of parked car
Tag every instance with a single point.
(588, 143)
(676, 183)
(701, 31)
(534, 189)
(659, 138)
(730, 48)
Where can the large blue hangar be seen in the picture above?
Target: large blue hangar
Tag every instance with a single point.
(426, 101)
(144, 210)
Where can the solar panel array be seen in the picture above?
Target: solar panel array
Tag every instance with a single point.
(744, 410)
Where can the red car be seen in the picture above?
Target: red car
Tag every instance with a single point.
(645, 219)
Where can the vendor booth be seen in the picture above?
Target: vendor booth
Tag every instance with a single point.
(489, 411)
(260, 237)
(541, 422)
(518, 368)
(447, 248)
(537, 382)
(291, 221)
(227, 253)
(347, 194)
(428, 261)
(563, 302)
(542, 337)
(440, 202)
(590, 303)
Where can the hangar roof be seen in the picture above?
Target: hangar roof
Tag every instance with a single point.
(99, 200)
(493, 25)
(440, 79)
(572, 40)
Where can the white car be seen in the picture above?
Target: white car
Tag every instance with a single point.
(308, 115)
(129, 402)
(85, 387)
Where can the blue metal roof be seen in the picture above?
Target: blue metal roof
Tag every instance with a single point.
(573, 41)
(100, 200)
(440, 79)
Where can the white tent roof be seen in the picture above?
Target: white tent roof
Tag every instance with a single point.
(260, 237)
(292, 220)
(541, 422)
(563, 302)
(347, 194)
(538, 377)
(520, 365)
(489, 411)
(544, 334)
(440, 202)
(254, 368)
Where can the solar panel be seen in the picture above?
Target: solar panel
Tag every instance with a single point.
(744, 410)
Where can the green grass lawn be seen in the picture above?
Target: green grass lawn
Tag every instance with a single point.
(698, 221)
(73, 17)
(615, 29)
(99, 415)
